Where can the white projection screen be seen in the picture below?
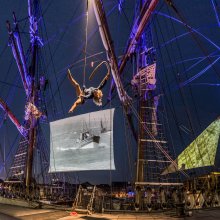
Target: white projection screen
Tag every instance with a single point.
(83, 142)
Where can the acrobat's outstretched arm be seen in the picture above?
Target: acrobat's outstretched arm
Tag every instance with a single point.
(74, 83)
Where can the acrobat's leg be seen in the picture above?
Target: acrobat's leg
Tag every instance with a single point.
(74, 83)
(76, 103)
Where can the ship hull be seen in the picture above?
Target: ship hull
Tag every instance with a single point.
(91, 143)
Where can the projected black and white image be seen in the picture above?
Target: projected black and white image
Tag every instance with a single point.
(83, 142)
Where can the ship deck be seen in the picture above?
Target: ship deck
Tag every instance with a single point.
(8, 212)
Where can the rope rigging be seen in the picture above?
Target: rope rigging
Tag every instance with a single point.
(176, 121)
(184, 67)
(171, 103)
(189, 116)
(192, 33)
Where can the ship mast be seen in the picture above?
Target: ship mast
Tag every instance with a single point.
(29, 80)
(145, 106)
(32, 95)
(151, 159)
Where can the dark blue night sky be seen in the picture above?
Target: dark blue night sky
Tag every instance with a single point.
(187, 69)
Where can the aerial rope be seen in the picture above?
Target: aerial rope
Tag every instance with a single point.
(70, 66)
(91, 92)
(86, 42)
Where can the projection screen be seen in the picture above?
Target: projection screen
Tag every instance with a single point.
(83, 142)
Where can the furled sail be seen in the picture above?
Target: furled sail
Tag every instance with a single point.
(200, 153)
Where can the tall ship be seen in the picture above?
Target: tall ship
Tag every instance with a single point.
(144, 138)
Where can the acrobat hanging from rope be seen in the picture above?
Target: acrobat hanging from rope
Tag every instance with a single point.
(91, 92)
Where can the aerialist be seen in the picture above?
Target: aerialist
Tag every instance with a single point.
(91, 92)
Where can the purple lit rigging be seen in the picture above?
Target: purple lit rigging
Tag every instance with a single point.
(199, 74)
(215, 7)
(193, 29)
